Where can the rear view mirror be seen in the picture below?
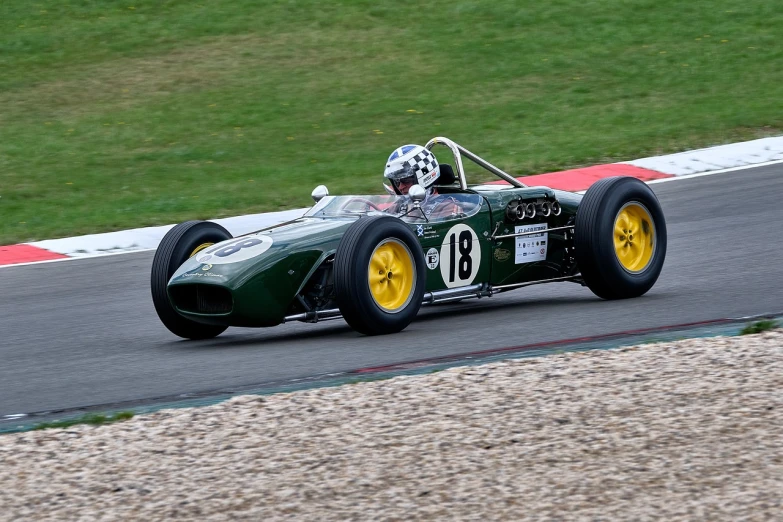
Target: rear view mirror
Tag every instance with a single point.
(319, 192)
(417, 193)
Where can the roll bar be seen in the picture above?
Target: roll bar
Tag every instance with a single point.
(458, 150)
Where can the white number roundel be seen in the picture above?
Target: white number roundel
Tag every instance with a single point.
(460, 256)
(234, 250)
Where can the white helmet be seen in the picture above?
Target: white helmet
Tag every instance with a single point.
(414, 163)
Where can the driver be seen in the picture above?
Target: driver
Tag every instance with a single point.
(414, 165)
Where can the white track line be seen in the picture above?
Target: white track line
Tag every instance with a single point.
(711, 172)
(91, 256)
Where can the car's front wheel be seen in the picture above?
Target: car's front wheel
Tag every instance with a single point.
(180, 243)
(379, 275)
(620, 238)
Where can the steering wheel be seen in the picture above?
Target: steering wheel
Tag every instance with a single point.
(362, 200)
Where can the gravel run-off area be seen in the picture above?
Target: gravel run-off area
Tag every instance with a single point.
(688, 430)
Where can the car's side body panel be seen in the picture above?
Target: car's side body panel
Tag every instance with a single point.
(264, 285)
(509, 265)
(265, 271)
(444, 252)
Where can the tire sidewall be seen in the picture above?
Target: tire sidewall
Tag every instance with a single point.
(356, 300)
(174, 249)
(376, 235)
(204, 232)
(629, 190)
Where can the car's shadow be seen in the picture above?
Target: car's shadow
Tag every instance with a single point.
(475, 311)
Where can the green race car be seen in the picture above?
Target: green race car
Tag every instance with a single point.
(375, 260)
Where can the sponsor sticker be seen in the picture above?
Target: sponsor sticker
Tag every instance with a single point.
(532, 247)
(432, 258)
(426, 231)
(202, 274)
(502, 254)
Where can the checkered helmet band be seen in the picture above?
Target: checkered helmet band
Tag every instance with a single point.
(413, 161)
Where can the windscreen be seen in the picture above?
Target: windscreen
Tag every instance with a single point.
(435, 207)
(333, 206)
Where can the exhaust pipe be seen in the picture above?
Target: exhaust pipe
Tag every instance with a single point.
(521, 211)
(512, 211)
(518, 210)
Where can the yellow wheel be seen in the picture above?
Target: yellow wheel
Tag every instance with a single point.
(391, 275)
(634, 237)
(619, 238)
(379, 275)
(199, 248)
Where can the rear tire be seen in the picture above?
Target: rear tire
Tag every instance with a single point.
(613, 262)
(379, 275)
(180, 243)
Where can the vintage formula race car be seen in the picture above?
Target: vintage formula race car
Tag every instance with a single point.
(375, 260)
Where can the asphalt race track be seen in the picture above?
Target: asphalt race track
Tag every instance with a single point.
(81, 333)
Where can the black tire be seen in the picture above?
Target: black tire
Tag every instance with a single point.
(594, 231)
(351, 268)
(175, 248)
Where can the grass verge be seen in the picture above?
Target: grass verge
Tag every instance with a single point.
(759, 326)
(94, 419)
(121, 114)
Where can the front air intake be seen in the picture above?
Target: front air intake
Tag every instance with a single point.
(201, 299)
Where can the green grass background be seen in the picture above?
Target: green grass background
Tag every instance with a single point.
(118, 114)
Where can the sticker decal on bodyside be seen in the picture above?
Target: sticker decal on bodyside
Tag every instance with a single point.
(460, 256)
(432, 258)
(502, 254)
(530, 248)
(235, 250)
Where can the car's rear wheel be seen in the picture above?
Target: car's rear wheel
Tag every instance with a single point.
(180, 243)
(620, 238)
(379, 275)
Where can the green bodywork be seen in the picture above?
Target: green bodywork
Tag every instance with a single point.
(265, 288)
